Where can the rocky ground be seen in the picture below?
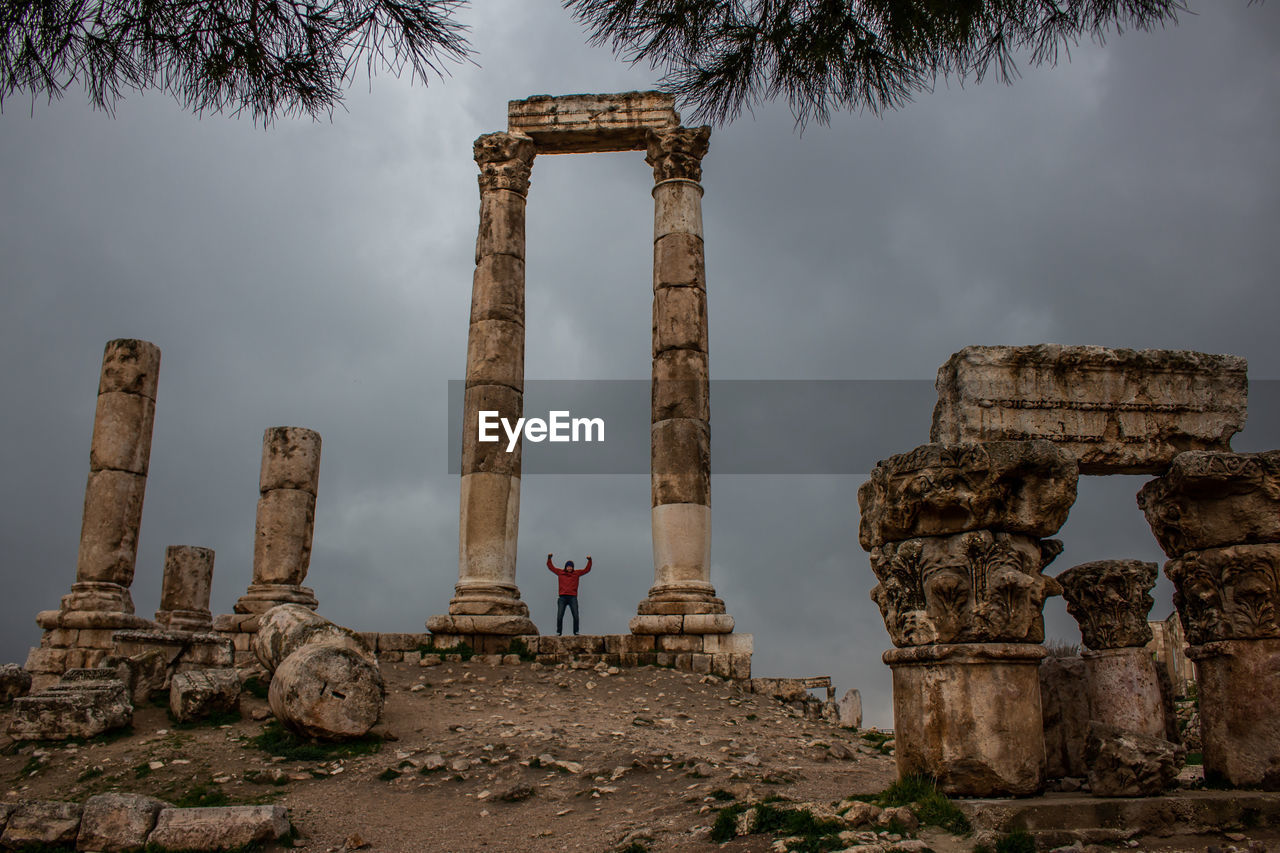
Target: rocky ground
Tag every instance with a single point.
(517, 757)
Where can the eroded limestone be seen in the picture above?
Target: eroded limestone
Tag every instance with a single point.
(1110, 599)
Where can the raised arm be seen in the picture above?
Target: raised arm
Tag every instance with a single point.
(588, 568)
(552, 566)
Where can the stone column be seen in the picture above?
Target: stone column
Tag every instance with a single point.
(487, 600)
(955, 536)
(184, 593)
(1110, 599)
(99, 600)
(287, 487)
(1217, 515)
(680, 432)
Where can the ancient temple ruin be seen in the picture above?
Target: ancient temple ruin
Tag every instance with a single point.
(681, 615)
(956, 532)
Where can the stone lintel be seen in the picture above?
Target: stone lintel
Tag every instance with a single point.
(1118, 411)
(582, 124)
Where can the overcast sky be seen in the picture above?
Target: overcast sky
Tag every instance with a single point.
(319, 275)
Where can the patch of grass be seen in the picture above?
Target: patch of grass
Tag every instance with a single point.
(34, 763)
(389, 774)
(752, 717)
(725, 826)
(202, 795)
(141, 771)
(721, 794)
(930, 805)
(876, 738)
(1195, 759)
(255, 686)
(1018, 841)
(277, 740)
(462, 649)
(518, 646)
(799, 822)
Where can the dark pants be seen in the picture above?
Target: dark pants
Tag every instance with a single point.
(570, 601)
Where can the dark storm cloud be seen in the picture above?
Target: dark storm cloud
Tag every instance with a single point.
(318, 274)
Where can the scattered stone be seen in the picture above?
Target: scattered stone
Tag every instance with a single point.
(200, 693)
(71, 710)
(14, 682)
(113, 823)
(42, 823)
(220, 828)
(355, 841)
(849, 709)
(516, 794)
(1128, 764)
(859, 813)
(841, 751)
(901, 815)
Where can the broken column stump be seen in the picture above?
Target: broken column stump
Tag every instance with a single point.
(325, 681)
(1217, 516)
(955, 534)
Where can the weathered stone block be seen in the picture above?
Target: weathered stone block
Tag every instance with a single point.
(587, 644)
(200, 693)
(289, 627)
(743, 644)
(131, 366)
(327, 691)
(1117, 411)
(678, 261)
(1211, 500)
(290, 459)
(679, 319)
(722, 665)
(502, 222)
(495, 354)
(109, 530)
(71, 711)
(122, 425)
(680, 387)
(1111, 600)
(400, 642)
(739, 667)
(41, 824)
(1128, 764)
(969, 716)
(118, 823)
(570, 124)
(221, 828)
(680, 459)
(977, 587)
(490, 456)
(46, 660)
(14, 682)
(656, 624)
(497, 289)
(282, 540)
(497, 624)
(937, 490)
(1124, 690)
(1064, 700)
(713, 623)
(1230, 593)
(684, 661)
(680, 643)
(701, 664)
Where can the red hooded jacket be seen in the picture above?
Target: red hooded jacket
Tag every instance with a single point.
(568, 577)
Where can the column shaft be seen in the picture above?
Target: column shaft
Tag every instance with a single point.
(487, 599)
(680, 441)
(184, 593)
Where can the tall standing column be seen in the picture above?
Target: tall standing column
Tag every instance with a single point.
(99, 601)
(287, 485)
(680, 441)
(487, 600)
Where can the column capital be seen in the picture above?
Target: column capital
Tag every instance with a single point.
(1110, 599)
(505, 161)
(677, 152)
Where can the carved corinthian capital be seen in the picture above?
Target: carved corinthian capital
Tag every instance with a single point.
(1110, 599)
(677, 152)
(1213, 499)
(505, 160)
(975, 587)
(1230, 593)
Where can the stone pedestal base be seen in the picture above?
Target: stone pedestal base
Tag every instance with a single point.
(1124, 690)
(75, 638)
(1240, 711)
(969, 716)
(184, 620)
(503, 625)
(261, 597)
